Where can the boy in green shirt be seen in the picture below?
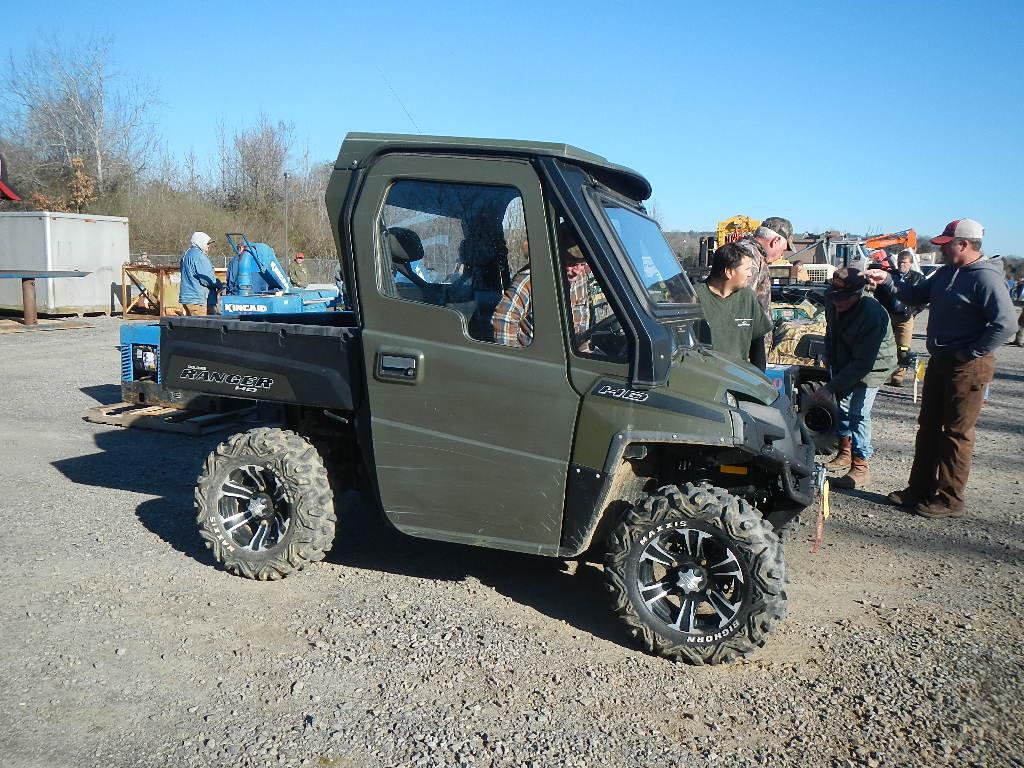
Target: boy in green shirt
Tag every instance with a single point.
(738, 324)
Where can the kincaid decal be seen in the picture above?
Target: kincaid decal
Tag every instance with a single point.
(235, 307)
(240, 381)
(621, 393)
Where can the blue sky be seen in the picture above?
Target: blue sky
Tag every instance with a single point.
(861, 116)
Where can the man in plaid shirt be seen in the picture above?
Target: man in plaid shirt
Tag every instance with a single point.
(513, 319)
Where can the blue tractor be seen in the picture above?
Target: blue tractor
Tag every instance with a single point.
(257, 285)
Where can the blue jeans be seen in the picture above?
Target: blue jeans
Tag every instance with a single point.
(855, 419)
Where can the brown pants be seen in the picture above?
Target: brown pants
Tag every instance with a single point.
(195, 309)
(950, 406)
(903, 330)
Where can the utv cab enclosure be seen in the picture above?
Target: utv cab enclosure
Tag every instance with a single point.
(517, 368)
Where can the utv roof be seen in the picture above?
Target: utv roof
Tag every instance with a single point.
(359, 149)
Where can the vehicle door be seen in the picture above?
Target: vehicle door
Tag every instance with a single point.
(472, 419)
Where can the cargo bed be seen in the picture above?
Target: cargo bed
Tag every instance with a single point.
(305, 359)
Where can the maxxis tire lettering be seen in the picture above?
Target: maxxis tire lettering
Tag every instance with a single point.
(671, 506)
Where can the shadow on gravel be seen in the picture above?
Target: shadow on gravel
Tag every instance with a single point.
(1003, 376)
(993, 425)
(366, 541)
(889, 393)
(870, 496)
(166, 466)
(945, 539)
(173, 520)
(140, 461)
(104, 394)
(158, 464)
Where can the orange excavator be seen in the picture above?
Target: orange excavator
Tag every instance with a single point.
(885, 248)
(905, 239)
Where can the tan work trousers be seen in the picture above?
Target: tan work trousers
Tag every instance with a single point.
(195, 309)
(950, 405)
(903, 330)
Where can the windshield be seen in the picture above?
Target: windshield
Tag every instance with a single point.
(659, 270)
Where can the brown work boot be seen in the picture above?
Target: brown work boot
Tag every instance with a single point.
(904, 498)
(844, 457)
(896, 380)
(935, 509)
(858, 476)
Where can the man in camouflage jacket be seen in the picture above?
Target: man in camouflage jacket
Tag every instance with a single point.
(767, 244)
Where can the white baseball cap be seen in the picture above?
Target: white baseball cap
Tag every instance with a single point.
(967, 229)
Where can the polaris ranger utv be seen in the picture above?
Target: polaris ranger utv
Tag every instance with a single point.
(517, 369)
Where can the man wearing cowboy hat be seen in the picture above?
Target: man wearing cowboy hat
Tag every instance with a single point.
(861, 355)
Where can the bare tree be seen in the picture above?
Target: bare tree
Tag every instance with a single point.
(311, 226)
(66, 102)
(252, 165)
(654, 211)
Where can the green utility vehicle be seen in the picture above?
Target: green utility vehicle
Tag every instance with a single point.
(517, 368)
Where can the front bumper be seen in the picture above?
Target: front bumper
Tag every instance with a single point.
(771, 435)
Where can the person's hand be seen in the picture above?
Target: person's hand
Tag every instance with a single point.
(875, 276)
(820, 395)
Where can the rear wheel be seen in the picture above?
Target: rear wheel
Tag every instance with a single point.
(696, 574)
(264, 504)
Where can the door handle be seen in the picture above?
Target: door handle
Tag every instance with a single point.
(398, 367)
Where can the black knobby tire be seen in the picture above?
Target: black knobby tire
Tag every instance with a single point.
(750, 581)
(264, 504)
(789, 532)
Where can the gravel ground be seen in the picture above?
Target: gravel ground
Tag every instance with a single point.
(125, 645)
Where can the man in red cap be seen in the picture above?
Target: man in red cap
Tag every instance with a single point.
(970, 316)
(297, 272)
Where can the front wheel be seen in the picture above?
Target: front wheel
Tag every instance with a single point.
(696, 574)
(264, 504)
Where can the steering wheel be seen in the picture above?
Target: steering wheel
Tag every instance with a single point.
(406, 271)
(606, 335)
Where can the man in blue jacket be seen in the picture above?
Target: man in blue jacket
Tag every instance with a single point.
(199, 284)
(970, 316)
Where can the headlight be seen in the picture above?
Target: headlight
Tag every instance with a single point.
(730, 400)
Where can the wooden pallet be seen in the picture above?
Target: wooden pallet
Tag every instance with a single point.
(10, 325)
(165, 419)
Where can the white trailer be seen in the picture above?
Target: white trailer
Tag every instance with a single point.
(48, 241)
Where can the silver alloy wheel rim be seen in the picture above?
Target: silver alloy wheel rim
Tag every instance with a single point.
(254, 508)
(691, 580)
